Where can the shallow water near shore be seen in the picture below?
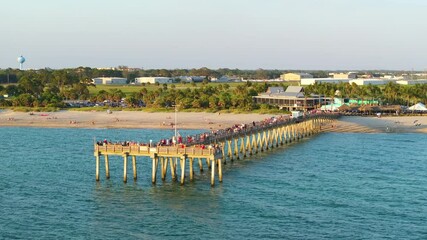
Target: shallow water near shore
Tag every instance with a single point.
(334, 185)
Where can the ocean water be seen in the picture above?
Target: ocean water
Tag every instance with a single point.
(330, 186)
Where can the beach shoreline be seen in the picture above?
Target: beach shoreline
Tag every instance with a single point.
(195, 120)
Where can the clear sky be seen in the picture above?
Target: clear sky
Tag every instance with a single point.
(245, 34)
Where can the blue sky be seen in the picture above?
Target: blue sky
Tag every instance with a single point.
(245, 34)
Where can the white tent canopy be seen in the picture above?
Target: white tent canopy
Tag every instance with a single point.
(418, 107)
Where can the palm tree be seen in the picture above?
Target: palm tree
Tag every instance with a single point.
(390, 92)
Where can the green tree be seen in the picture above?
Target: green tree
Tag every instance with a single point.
(25, 100)
(224, 100)
(116, 95)
(261, 74)
(133, 99)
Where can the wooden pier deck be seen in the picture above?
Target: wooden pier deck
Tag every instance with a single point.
(213, 148)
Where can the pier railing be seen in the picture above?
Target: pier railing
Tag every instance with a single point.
(117, 149)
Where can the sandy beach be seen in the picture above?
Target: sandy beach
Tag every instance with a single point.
(370, 124)
(195, 120)
(125, 119)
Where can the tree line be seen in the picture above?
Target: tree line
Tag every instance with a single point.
(48, 88)
(13, 75)
(204, 96)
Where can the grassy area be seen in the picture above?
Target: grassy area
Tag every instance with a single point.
(34, 109)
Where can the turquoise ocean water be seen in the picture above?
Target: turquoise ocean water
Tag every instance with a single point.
(330, 186)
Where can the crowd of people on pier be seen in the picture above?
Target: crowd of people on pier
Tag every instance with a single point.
(206, 139)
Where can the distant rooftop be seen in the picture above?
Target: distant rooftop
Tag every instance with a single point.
(291, 92)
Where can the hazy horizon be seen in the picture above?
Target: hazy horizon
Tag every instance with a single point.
(253, 34)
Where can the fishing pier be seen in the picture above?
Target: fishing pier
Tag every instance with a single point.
(213, 149)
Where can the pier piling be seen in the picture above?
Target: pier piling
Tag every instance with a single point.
(200, 165)
(155, 162)
(213, 173)
(134, 167)
(191, 169)
(182, 163)
(97, 167)
(107, 167)
(125, 166)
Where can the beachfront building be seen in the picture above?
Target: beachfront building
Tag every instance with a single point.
(337, 103)
(152, 80)
(295, 77)
(109, 80)
(332, 106)
(291, 99)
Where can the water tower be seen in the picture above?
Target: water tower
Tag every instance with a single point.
(21, 61)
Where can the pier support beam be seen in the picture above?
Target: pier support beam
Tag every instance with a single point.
(107, 167)
(125, 166)
(212, 172)
(200, 165)
(219, 170)
(223, 149)
(208, 162)
(164, 167)
(182, 161)
(154, 169)
(236, 148)
(172, 163)
(97, 167)
(134, 167)
(191, 169)
(229, 150)
(247, 146)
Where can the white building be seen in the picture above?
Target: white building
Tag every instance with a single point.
(412, 82)
(311, 81)
(192, 78)
(372, 81)
(227, 79)
(153, 80)
(351, 75)
(221, 79)
(109, 80)
(295, 76)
